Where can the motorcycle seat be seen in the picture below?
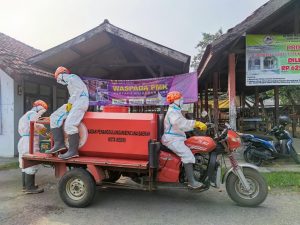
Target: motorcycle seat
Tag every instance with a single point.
(264, 137)
(246, 137)
(165, 149)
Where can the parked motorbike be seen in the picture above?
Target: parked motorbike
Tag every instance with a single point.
(261, 148)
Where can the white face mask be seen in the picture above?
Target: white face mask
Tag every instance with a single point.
(41, 112)
(179, 102)
(61, 79)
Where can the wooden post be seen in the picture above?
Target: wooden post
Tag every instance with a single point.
(231, 90)
(256, 106)
(243, 104)
(216, 102)
(198, 105)
(256, 102)
(201, 100)
(296, 31)
(276, 104)
(297, 19)
(206, 96)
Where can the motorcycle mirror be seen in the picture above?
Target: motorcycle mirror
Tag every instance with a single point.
(204, 114)
(227, 125)
(211, 125)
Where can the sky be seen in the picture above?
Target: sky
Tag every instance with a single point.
(177, 24)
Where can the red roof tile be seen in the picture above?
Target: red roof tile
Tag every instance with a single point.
(13, 55)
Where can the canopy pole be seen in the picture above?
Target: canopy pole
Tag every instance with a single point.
(231, 90)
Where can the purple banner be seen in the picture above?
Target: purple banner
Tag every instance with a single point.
(141, 92)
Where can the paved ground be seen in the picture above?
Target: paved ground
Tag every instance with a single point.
(113, 206)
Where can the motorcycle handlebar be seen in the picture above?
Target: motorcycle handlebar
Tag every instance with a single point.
(273, 130)
(223, 135)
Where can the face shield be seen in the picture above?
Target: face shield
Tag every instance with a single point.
(61, 79)
(40, 110)
(179, 102)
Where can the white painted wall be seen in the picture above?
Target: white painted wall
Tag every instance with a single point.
(7, 137)
(18, 111)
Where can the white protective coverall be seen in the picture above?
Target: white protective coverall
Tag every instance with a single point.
(24, 131)
(79, 98)
(175, 126)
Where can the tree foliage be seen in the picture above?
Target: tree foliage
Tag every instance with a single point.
(207, 39)
(289, 95)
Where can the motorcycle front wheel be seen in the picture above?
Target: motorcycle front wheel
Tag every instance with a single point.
(295, 155)
(258, 188)
(249, 158)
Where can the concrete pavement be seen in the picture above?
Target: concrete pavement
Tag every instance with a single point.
(162, 207)
(132, 207)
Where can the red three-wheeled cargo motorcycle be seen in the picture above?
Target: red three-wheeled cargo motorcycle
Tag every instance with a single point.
(114, 144)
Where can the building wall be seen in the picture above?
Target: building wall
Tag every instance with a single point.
(7, 139)
(18, 111)
(12, 102)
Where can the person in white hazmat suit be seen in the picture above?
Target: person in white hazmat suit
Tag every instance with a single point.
(175, 126)
(28, 174)
(72, 113)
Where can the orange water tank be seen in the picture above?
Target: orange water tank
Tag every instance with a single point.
(118, 135)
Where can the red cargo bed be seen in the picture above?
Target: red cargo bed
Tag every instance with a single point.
(39, 158)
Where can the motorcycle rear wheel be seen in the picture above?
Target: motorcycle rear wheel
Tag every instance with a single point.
(258, 188)
(249, 158)
(295, 155)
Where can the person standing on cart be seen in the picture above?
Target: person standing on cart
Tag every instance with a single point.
(175, 126)
(72, 113)
(28, 174)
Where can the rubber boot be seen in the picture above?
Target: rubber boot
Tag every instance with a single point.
(73, 147)
(189, 171)
(59, 143)
(24, 184)
(30, 185)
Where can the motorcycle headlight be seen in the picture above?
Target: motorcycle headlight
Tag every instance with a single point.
(237, 139)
